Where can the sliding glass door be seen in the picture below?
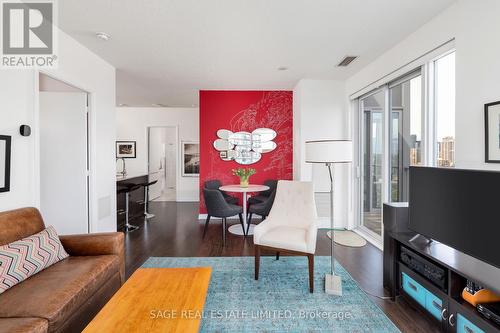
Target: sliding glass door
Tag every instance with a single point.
(405, 133)
(391, 137)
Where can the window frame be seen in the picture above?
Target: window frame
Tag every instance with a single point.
(429, 149)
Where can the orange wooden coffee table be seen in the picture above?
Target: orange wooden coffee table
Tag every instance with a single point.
(156, 300)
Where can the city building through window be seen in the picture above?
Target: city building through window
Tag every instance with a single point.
(444, 80)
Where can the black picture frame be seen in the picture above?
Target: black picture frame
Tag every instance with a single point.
(121, 155)
(190, 160)
(6, 174)
(487, 133)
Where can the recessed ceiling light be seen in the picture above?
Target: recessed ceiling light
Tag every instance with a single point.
(282, 68)
(102, 35)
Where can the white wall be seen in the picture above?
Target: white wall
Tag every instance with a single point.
(19, 105)
(320, 112)
(132, 124)
(47, 83)
(475, 27)
(477, 77)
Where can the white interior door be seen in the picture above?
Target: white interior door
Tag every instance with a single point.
(64, 161)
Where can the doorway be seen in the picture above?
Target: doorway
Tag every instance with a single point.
(162, 162)
(372, 110)
(64, 156)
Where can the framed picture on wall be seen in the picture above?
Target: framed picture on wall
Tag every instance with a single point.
(190, 158)
(5, 142)
(125, 149)
(492, 132)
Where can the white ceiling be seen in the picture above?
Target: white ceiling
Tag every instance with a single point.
(167, 50)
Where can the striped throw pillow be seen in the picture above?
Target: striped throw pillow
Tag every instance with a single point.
(23, 258)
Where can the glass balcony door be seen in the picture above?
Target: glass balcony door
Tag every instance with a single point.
(405, 133)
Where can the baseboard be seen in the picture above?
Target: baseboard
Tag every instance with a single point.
(186, 200)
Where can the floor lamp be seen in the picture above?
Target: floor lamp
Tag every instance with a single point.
(329, 152)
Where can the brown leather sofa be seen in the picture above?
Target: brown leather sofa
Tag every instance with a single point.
(67, 295)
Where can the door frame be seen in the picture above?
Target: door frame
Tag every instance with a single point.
(401, 149)
(91, 142)
(374, 238)
(177, 156)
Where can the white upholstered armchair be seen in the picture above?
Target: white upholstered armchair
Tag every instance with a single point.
(290, 226)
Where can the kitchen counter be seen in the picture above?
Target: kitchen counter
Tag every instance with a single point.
(119, 177)
(136, 198)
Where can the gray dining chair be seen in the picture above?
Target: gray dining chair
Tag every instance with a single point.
(218, 207)
(263, 196)
(214, 184)
(262, 209)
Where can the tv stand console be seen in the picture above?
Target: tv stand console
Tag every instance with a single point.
(431, 275)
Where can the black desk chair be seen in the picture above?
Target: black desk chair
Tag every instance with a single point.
(214, 185)
(218, 207)
(146, 186)
(261, 209)
(126, 189)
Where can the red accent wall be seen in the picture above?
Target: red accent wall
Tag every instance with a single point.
(245, 111)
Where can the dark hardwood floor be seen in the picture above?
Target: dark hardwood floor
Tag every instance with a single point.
(176, 232)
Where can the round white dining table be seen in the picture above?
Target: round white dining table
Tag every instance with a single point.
(236, 229)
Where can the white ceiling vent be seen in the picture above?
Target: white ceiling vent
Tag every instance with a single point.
(346, 61)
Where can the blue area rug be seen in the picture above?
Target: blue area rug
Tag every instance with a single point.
(280, 300)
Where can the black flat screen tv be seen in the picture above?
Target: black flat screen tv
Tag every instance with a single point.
(459, 208)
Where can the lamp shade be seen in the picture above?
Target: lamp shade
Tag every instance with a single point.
(329, 151)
